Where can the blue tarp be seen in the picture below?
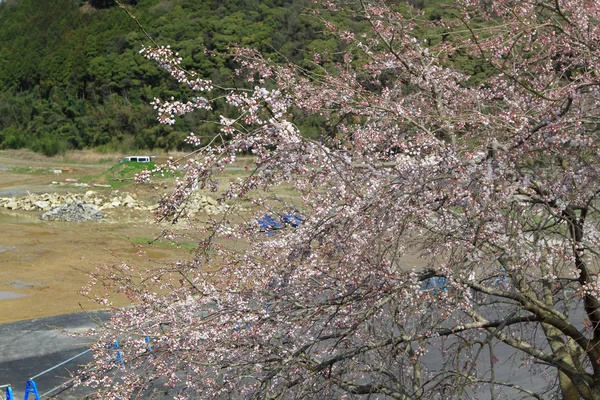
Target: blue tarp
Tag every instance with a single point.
(435, 283)
(268, 223)
(293, 220)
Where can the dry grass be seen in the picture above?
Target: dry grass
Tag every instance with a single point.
(85, 156)
(74, 156)
(25, 155)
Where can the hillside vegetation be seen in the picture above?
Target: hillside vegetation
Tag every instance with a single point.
(71, 76)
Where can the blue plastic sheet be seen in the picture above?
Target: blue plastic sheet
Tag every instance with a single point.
(293, 220)
(435, 283)
(269, 224)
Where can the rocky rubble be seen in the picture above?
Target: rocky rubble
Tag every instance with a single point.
(205, 204)
(76, 211)
(103, 202)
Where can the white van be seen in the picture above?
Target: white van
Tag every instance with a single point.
(137, 159)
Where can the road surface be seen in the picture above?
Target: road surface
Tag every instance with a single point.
(30, 347)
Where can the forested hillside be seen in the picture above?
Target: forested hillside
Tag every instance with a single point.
(71, 76)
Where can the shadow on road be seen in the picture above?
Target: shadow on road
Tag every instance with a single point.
(30, 347)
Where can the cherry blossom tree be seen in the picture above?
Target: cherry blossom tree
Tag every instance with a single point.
(450, 236)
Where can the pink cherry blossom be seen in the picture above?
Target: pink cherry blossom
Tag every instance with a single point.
(442, 219)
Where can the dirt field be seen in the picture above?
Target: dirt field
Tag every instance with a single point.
(43, 264)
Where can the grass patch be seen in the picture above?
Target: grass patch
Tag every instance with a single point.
(127, 170)
(120, 174)
(123, 174)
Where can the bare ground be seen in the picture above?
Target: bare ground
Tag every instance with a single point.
(43, 265)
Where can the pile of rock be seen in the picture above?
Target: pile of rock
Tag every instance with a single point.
(126, 200)
(47, 201)
(76, 211)
(205, 204)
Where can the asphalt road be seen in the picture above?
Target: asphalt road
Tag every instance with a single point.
(28, 348)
